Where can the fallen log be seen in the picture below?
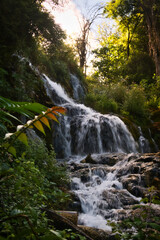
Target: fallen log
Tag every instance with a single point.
(60, 222)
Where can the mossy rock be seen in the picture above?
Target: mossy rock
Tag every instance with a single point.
(132, 127)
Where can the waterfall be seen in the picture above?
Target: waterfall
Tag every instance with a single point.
(83, 131)
(78, 90)
(143, 142)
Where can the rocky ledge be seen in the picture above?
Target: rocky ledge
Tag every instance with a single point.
(130, 176)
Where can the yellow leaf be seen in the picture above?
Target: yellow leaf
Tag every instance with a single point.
(23, 138)
(39, 126)
(45, 121)
(50, 115)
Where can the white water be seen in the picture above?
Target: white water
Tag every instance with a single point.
(50, 86)
(84, 131)
(100, 195)
(143, 142)
(78, 90)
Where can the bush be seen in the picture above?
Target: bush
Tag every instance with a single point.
(118, 92)
(28, 184)
(135, 102)
(101, 103)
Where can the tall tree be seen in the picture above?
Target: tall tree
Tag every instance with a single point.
(82, 41)
(150, 9)
(22, 23)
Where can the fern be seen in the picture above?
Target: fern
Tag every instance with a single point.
(8, 106)
(37, 122)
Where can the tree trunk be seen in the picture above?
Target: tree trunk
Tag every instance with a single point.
(152, 13)
(128, 44)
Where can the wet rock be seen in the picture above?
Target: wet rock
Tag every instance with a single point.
(108, 159)
(134, 173)
(138, 191)
(75, 204)
(118, 198)
(89, 159)
(75, 167)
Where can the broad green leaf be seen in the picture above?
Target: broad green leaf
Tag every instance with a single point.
(25, 108)
(12, 150)
(6, 114)
(23, 138)
(39, 126)
(45, 121)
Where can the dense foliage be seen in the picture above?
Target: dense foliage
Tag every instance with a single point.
(28, 184)
(29, 33)
(31, 180)
(126, 78)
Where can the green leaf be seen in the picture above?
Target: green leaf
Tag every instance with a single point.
(58, 235)
(23, 138)
(12, 150)
(25, 108)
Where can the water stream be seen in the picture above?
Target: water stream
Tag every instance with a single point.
(101, 193)
(84, 131)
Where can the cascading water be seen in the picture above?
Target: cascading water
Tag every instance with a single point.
(104, 191)
(143, 142)
(85, 131)
(101, 193)
(78, 90)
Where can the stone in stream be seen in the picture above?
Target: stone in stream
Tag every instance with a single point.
(110, 191)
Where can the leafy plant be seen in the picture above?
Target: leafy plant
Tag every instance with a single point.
(36, 122)
(8, 106)
(30, 182)
(144, 225)
(135, 102)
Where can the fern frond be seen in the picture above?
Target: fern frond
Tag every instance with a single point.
(37, 122)
(25, 108)
(8, 106)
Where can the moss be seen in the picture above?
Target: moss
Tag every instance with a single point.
(132, 127)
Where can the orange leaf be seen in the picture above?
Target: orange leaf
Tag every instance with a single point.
(39, 126)
(50, 115)
(45, 121)
(59, 109)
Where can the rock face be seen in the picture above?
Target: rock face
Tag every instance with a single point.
(108, 185)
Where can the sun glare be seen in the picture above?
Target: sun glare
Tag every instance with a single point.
(67, 17)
